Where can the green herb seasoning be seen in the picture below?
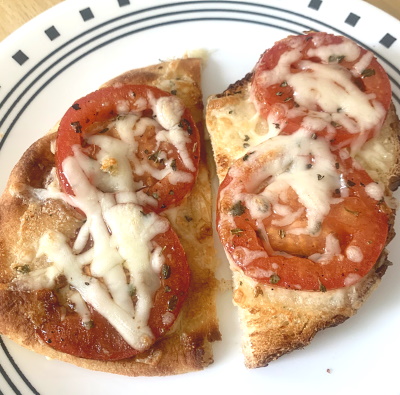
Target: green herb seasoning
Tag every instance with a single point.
(132, 290)
(154, 157)
(77, 126)
(356, 213)
(350, 183)
(246, 157)
(238, 209)
(88, 324)
(185, 124)
(274, 279)
(24, 269)
(165, 271)
(173, 164)
(172, 303)
(336, 58)
(368, 73)
(162, 250)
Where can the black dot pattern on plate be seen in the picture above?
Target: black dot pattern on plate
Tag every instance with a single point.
(315, 4)
(86, 14)
(123, 2)
(352, 19)
(388, 40)
(52, 33)
(20, 57)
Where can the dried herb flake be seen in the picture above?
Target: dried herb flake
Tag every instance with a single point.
(77, 126)
(165, 271)
(274, 279)
(238, 209)
(172, 303)
(368, 73)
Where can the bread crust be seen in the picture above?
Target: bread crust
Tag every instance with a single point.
(274, 320)
(24, 217)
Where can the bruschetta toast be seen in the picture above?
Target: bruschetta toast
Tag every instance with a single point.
(307, 154)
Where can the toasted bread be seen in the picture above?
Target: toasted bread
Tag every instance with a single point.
(25, 214)
(276, 320)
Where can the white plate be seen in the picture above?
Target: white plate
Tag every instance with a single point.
(71, 49)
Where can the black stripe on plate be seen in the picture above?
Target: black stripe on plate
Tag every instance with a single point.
(9, 381)
(176, 13)
(16, 118)
(134, 13)
(17, 369)
(168, 14)
(163, 15)
(131, 14)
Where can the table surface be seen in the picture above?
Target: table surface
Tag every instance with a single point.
(14, 14)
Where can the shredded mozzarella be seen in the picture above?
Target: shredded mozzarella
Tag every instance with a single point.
(117, 231)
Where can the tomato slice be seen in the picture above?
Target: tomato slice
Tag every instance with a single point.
(93, 114)
(306, 219)
(62, 328)
(325, 83)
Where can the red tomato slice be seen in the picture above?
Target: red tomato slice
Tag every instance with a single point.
(91, 115)
(325, 83)
(62, 329)
(261, 221)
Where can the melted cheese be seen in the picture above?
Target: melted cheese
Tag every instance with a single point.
(327, 86)
(123, 256)
(332, 249)
(314, 181)
(354, 254)
(374, 191)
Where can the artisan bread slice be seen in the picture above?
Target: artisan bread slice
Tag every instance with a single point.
(277, 320)
(26, 212)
